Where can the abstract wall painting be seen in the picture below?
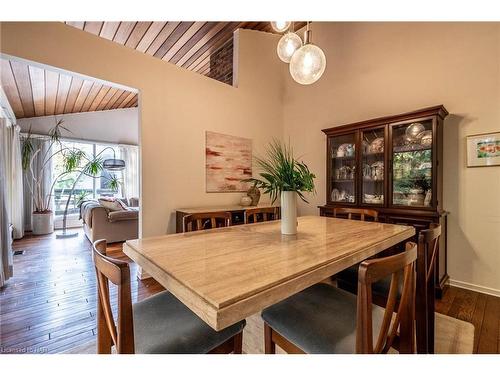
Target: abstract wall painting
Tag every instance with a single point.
(228, 160)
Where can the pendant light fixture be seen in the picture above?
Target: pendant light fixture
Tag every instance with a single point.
(287, 45)
(308, 63)
(280, 26)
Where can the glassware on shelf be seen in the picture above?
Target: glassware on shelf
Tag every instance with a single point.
(343, 168)
(412, 164)
(372, 187)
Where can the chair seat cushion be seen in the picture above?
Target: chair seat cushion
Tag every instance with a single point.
(163, 324)
(381, 287)
(320, 319)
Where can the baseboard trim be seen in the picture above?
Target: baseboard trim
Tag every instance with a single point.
(475, 288)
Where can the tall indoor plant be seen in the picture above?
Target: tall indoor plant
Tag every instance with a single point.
(37, 161)
(283, 175)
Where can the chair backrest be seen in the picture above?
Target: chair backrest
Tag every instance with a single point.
(267, 213)
(428, 246)
(357, 212)
(207, 220)
(370, 271)
(122, 334)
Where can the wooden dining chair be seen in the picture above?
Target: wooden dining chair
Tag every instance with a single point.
(158, 324)
(427, 252)
(354, 213)
(326, 319)
(209, 220)
(428, 247)
(266, 213)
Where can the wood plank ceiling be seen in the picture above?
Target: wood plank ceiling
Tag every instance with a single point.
(186, 44)
(33, 91)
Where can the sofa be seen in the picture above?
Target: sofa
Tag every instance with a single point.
(100, 222)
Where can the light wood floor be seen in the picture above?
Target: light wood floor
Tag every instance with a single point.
(49, 305)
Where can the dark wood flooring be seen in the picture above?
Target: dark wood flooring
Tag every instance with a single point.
(49, 305)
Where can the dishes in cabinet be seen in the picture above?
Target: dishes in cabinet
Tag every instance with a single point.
(345, 150)
(425, 138)
(373, 199)
(377, 145)
(377, 171)
(414, 129)
(341, 196)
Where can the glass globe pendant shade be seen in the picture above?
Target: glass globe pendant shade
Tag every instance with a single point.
(307, 64)
(280, 26)
(288, 44)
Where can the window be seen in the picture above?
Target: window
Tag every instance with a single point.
(87, 186)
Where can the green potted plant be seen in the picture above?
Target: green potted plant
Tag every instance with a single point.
(284, 176)
(37, 162)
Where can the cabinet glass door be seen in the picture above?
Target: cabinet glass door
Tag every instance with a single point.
(343, 168)
(373, 166)
(412, 164)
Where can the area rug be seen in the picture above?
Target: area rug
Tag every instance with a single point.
(453, 336)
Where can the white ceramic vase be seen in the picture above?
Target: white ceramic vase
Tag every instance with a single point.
(43, 223)
(288, 212)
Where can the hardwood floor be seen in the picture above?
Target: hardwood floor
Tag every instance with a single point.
(49, 305)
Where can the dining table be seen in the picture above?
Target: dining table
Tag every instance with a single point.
(227, 274)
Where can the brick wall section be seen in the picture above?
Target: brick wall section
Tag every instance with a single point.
(221, 63)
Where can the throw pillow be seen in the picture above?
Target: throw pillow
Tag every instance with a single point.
(111, 204)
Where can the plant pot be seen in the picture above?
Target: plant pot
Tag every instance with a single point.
(43, 223)
(288, 212)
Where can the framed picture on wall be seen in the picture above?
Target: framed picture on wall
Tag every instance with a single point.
(483, 150)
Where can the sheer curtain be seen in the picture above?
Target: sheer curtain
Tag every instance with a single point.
(43, 145)
(131, 175)
(14, 177)
(6, 266)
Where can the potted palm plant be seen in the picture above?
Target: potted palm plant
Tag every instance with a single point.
(36, 161)
(284, 176)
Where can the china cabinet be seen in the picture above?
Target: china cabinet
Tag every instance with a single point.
(392, 164)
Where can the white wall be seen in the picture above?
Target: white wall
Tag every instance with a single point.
(377, 69)
(113, 126)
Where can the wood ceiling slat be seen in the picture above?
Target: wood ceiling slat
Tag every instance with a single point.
(133, 102)
(62, 92)
(150, 35)
(108, 30)
(173, 38)
(113, 99)
(161, 37)
(187, 51)
(127, 100)
(77, 24)
(123, 32)
(99, 97)
(137, 34)
(221, 37)
(37, 78)
(184, 39)
(51, 85)
(76, 85)
(82, 95)
(93, 27)
(96, 88)
(120, 100)
(202, 60)
(105, 100)
(10, 88)
(204, 69)
(22, 77)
